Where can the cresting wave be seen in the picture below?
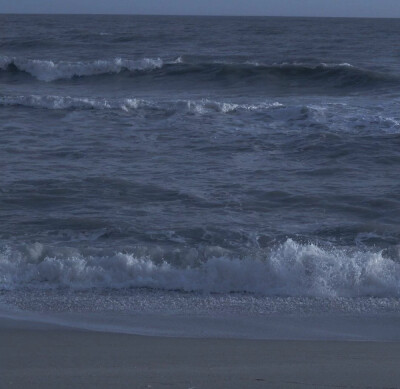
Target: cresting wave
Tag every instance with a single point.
(67, 102)
(291, 269)
(341, 74)
(353, 118)
(128, 104)
(47, 70)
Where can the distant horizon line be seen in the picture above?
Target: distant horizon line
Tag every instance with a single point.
(196, 15)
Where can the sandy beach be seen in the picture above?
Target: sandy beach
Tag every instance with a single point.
(199, 194)
(44, 356)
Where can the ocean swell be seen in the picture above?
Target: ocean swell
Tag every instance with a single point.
(202, 106)
(291, 269)
(47, 70)
(73, 103)
(337, 75)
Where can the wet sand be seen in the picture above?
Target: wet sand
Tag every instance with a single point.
(46, 356)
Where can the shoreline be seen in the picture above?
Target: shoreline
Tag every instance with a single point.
(38, 355)
(354, 326)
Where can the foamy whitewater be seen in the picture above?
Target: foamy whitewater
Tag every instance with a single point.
(201, 176)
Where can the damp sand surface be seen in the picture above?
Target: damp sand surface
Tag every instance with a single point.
(46, 356)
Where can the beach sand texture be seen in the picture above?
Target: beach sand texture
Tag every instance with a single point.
(43, 356)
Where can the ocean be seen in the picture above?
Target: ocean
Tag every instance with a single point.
(216, 170)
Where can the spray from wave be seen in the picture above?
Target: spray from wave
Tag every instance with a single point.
(291, 269)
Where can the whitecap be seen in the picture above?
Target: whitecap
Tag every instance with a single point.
(47, 70)
(291, 269)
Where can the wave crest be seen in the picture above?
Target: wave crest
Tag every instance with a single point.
(67, 102)
(202, 106)
(337, 75)
(292, 269)
(46, 70)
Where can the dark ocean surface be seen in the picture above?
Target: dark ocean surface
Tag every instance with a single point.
(200, 156)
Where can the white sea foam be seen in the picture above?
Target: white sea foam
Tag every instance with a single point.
(4, 62)
(46, 70)
(67, 102)
(306, 65)
(178, 60)
(206, 106)
(291, 269)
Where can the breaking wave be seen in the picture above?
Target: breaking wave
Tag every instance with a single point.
(82, 103)
(291, 269)
(340, 75)
(46, 70)
(67, 102)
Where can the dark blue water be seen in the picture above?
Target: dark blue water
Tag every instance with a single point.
(255, 155)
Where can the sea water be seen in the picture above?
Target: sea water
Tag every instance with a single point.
(215, 168)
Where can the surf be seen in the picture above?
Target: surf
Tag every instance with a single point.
(290, 269)
(338, 75)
